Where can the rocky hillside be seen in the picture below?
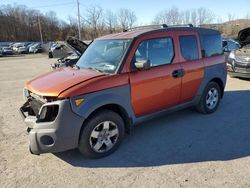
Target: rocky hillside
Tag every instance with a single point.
(230, 28)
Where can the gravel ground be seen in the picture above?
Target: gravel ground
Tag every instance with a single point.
(183, 149)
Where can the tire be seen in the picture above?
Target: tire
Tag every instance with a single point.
(101, 134)
(208, 105)
(50, 55)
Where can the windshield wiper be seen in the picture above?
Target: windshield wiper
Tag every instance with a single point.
(76, 66)
(95, 69)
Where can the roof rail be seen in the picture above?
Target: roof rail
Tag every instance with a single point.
(157, 26)
(182, 25)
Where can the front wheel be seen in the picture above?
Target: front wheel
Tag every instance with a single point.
(210, 99)
(101, 134)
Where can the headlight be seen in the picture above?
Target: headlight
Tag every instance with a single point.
(232, 55)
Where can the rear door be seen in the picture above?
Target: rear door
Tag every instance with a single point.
(192, 64)
(155, 89)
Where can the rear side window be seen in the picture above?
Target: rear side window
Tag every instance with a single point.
(189, 48)
(159, 51)
(211, 45)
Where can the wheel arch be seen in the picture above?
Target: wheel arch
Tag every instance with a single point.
(220, 83)
(115, 108)
(119, 110)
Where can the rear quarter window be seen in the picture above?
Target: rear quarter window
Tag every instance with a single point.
(211, 45)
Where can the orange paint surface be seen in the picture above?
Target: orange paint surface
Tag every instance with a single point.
(97, 84)
(54, 82)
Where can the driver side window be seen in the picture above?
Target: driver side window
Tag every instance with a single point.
(158, 51)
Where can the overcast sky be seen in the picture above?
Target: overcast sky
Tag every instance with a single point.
(145, 10)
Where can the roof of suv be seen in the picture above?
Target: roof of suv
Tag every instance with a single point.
(140, 31)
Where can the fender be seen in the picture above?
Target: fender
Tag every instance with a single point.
(211, 72)
(92, 101)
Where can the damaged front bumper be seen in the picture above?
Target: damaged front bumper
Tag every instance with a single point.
(51, 133)
(238, 69)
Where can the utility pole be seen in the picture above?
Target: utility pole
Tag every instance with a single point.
(40, 30)
(79, 24)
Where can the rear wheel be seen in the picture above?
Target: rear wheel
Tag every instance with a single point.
(210, 99)
(102, 134)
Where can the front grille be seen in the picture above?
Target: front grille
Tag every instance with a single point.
(35, 102)
(35, 106)
(242, 64)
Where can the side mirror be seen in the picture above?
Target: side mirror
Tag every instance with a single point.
(142, 64)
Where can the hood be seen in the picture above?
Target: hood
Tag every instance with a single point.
(243, 55)
(77, 45)
(53, 83)
(244, 36)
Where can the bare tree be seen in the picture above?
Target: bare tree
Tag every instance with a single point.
(230, 17)
(187, 16)
(174, 16)
(219, 20)
(161, 18)
(247, 16)
(94, 18)
(171, 17)
(204, 16)
(111, 21)
(126, 18)
(194, 17)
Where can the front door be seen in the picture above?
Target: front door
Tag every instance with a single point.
(157, 87)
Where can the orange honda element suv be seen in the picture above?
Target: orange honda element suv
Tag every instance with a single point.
(120, 80)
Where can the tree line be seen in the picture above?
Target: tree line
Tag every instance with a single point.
(19, 23)
(174, 16)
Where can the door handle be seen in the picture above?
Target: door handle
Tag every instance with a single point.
(178, 73)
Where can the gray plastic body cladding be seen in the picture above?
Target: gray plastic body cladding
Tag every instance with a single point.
(64, 130)
(211, 72)
(118, 95)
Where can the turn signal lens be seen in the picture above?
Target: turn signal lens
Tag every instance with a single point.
(79, 102)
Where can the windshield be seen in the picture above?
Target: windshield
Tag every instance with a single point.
(104, 55)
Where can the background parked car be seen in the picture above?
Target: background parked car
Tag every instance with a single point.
(229, 45)
(21, 49)
(35, 48)
(77, 47)
(53, 46)
(7, 51)
(238, 63)
(16, 46)
(27, 47)
(59, 50)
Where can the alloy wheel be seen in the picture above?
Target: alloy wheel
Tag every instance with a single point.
(104, 136)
